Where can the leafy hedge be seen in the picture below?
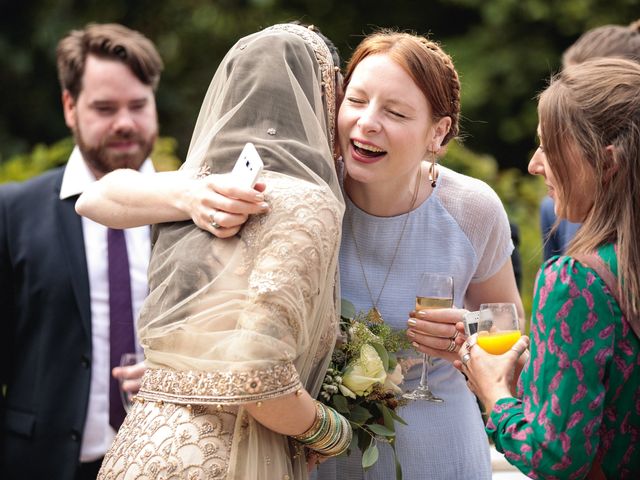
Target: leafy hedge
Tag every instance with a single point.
(42, 157)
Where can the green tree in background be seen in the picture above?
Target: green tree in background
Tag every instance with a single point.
(504, 50)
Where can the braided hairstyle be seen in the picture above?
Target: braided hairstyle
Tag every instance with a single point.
(427, 64)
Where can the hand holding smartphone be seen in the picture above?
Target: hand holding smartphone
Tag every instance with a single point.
(248, 166)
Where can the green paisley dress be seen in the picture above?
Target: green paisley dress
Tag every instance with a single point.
(579, 395)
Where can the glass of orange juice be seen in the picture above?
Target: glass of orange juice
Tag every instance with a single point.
(498, 335)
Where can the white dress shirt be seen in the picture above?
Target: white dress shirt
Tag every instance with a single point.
(98, 434)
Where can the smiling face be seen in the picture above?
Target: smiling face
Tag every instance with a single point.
(572, 196)
(114, 118)
(384, 125)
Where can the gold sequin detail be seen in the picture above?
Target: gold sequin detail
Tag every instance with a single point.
(287, 270)
(209, 388)
(163, 442)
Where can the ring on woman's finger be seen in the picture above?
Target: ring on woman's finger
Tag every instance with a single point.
(455, 335)
(212, 216)
(452, 346)
(465, 358)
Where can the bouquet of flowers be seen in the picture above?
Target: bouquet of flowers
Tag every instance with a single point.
(362, 381)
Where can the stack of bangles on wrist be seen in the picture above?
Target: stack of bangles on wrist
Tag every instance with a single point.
(329, 435)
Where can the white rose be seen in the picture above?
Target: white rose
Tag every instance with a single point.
(346, 392)
(361, 375)
(394, 379)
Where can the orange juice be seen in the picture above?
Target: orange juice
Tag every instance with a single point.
(498, 343)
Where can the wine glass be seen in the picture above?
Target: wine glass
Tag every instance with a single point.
(434, 291)
(499, 334)
(127, 360)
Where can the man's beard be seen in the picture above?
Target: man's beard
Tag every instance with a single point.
(102, 161)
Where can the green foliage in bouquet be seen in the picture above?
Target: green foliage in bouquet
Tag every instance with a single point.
(362, 381)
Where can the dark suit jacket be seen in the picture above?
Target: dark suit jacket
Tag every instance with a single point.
(45, 349)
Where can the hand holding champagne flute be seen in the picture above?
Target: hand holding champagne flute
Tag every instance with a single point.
(434, 291)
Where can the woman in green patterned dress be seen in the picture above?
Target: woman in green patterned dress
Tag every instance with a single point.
(576, 413)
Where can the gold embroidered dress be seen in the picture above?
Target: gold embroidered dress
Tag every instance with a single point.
(252, 317)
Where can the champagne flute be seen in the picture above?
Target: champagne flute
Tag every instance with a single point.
(127, 360)
(502, 332)
(434, 291)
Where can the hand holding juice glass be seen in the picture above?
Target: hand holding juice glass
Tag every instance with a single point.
(499, 334)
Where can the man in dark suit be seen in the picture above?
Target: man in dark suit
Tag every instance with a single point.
(55, 280)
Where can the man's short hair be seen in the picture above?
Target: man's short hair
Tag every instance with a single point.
(106, 41)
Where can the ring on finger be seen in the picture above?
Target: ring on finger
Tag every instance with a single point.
(452, 346)
(212, 217)
(455, 335)
(465, 358)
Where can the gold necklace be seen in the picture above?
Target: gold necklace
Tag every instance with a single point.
(374, 314)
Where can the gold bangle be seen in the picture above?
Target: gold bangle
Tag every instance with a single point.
(329, 435)
(341, 440)
(331, 432)
(315, 427)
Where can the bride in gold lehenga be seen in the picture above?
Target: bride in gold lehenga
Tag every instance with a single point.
(238, 333)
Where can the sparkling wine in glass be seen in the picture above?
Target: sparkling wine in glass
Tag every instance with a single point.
(126, 360)
(434, 291)
(502, 332)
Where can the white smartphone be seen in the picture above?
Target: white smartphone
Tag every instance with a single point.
(248, 166)
(472, 320)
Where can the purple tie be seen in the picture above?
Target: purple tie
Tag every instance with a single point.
(121, 335)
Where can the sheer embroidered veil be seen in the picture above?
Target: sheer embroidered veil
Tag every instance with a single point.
(227, 309)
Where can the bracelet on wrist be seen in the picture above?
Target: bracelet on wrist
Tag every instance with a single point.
(329, 435)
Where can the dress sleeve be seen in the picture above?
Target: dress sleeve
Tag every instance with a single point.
(252, 311)
(293, 277)
(479, 213)
(551, 430)
(491, 235)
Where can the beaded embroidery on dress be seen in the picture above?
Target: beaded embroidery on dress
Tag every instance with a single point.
(255, 316)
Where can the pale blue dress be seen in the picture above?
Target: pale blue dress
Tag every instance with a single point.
(461, 230)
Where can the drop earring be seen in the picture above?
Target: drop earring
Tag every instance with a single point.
(432, 169)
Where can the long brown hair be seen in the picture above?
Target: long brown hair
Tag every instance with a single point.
(426, 63)
(590, 113)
